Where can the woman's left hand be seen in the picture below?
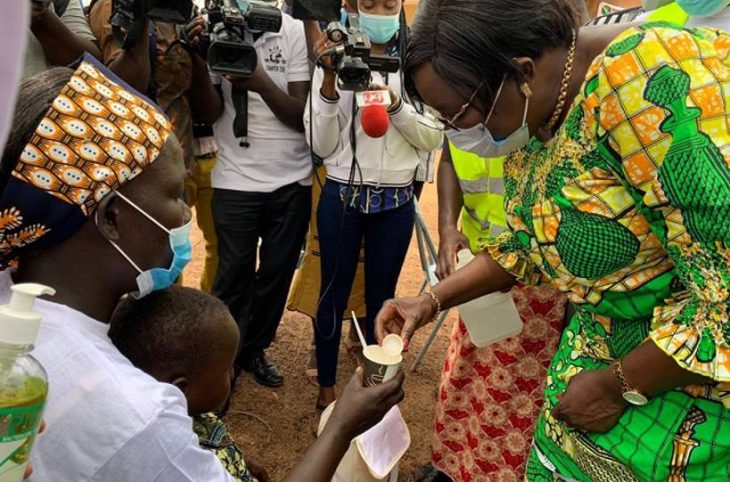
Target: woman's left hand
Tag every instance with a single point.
(393, 95)
(593, 401)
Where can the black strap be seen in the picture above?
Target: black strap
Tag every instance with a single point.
(59, 6)
(622, 16)
(240, 123)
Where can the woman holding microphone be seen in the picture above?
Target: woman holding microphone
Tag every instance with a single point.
(368, 193)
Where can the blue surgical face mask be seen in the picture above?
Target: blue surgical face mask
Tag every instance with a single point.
(478, 140)
(156, 279)
(703, 8)
(379, 28)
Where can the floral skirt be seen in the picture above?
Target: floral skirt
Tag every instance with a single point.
(490, 398)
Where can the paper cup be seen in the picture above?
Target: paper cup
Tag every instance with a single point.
(379, 367)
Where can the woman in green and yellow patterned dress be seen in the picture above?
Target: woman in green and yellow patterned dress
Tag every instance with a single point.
(617, 191)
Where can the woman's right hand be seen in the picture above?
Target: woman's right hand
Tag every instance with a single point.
(329, 88)
(322, 45)
(403, 316)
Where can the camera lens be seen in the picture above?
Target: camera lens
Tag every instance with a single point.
(235, 58)
(336, 36)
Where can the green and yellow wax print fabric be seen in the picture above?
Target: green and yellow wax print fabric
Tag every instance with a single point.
(627, 211)
(213, 435)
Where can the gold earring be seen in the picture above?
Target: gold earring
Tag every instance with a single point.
(526, 90)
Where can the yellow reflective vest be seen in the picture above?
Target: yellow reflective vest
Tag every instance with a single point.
(482, 188)
(669, 13)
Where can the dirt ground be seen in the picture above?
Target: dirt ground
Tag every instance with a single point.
(277, 426)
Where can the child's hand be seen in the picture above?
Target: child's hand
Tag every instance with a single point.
(360, 407)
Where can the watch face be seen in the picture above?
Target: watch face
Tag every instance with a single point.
(635, 398)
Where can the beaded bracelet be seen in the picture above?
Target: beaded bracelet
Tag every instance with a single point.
(438, 304)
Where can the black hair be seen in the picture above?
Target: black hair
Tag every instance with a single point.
(168, 333)
(35, 97)
(473, 42)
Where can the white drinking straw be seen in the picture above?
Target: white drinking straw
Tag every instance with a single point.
(357, 328)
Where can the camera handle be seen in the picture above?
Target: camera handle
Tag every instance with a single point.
(134, 30)
(240, 123)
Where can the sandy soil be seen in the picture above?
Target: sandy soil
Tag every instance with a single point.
(276, 426)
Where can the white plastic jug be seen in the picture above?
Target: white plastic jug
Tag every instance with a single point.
(491, 318)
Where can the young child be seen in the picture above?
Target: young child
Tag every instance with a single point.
(189, 339)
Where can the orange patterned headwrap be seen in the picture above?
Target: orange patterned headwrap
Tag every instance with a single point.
(97, 135)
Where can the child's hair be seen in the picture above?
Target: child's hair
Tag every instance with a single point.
(169, 333)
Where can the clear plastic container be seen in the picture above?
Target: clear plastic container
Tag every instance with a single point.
(491, 318)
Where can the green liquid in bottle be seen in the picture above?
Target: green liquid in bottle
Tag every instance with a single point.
(21, 406)
(23, 381)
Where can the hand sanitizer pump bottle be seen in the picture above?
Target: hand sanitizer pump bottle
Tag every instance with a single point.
(23, 381)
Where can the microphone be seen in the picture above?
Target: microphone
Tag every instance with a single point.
(374, 120)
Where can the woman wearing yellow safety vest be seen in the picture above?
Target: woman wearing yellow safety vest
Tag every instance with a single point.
(496, 389)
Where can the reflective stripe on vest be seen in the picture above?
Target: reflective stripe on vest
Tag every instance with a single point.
(482, 188)
(669, 13)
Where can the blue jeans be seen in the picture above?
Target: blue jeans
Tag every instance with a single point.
(387, 236)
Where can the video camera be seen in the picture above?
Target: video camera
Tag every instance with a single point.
(129, 15)
(227, 50)
(352, 58)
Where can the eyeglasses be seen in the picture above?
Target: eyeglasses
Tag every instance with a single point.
(451, 123)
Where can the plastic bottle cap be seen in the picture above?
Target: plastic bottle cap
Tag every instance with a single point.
(19, 323)
(393, 345)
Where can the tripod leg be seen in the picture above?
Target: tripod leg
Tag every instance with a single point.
(429, 341)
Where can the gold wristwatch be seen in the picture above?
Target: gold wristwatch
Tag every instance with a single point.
(630, 394)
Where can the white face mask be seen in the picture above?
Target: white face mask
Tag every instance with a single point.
(478, 140)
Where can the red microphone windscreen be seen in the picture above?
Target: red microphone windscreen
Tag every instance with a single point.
(374, 120)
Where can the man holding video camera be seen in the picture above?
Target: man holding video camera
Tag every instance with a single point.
(262, 181)
(154, 61)
(59, 34)
(371, 153)
(163, 71)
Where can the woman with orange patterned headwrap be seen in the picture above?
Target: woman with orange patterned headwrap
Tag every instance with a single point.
(90, 203)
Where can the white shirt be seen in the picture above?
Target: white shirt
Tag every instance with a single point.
(278, 155)
(390, 160)
(107, 421)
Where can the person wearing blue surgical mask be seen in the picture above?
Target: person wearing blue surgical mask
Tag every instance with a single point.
(712, 14)
(703, 8)
(367, 198)
(132, 239)
(123, 231)
(707, 13)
